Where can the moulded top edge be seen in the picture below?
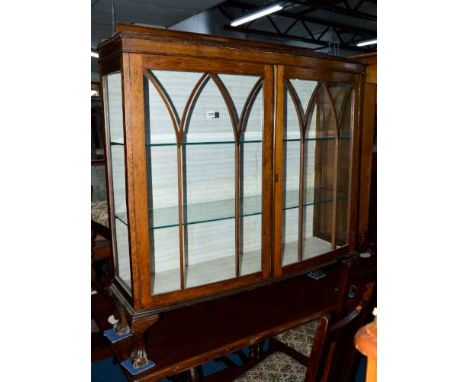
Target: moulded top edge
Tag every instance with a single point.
(125, 31)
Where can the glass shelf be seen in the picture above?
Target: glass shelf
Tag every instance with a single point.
(312, 247)
(202, 212)
(225, 209)
(323, 196)
(192, 143)
(202, 143)
(343, 138)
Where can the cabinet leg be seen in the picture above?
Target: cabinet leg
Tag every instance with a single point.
(121, 327)
(138, 356)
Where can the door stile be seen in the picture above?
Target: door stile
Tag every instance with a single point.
(136, 177)
(279, 169)
(181, 212)
(237, 195)
(268, 217)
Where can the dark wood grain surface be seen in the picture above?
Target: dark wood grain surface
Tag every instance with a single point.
(186, 337)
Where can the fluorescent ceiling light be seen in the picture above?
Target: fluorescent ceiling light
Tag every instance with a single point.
(94, 54)
(364, 43)
(256, 15)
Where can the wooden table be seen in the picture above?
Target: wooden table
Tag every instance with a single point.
(192, 335)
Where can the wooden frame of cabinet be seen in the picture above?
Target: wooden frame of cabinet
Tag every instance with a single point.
(134, 52)
(368, 194)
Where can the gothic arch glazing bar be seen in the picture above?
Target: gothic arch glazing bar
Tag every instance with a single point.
(166, 99)
(335, 166)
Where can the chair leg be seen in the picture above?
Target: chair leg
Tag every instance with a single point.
(256, 351)
(195, 374)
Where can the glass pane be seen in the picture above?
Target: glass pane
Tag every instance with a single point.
(312, 245)
(238, 88)
(291, 166)
(209, 172)
(253, 130)
(319, 170)
(160, 129)
(178, 86)
(339, 94)
(304, 90)
(321, 125)
(251, 186)
(114, 101)
(162, 170)
(118, 183)
(210, 252)
(290, 236)
(117, 159)
(210, 121)
(251, 244)
(292, 127)
(165, 262)
(163, 212)
(123, 250)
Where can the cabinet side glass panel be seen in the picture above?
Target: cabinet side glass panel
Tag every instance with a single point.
(118, 182)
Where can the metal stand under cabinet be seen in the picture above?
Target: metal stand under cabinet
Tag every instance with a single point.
(231, 164)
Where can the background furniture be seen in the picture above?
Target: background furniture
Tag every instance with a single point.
(368, 195)
(231, 164)
(287, 364)
(366, 343)
(356, 273)
(189, 336)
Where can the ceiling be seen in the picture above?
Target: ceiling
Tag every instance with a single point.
(327, 26)
(163, 13)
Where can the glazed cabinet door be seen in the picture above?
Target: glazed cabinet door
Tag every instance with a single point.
(313, 158)
(208, 142)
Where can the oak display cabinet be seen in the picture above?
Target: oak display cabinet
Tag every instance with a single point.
(232, 164)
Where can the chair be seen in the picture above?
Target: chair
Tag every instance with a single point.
(300, 339)
(280, 366)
